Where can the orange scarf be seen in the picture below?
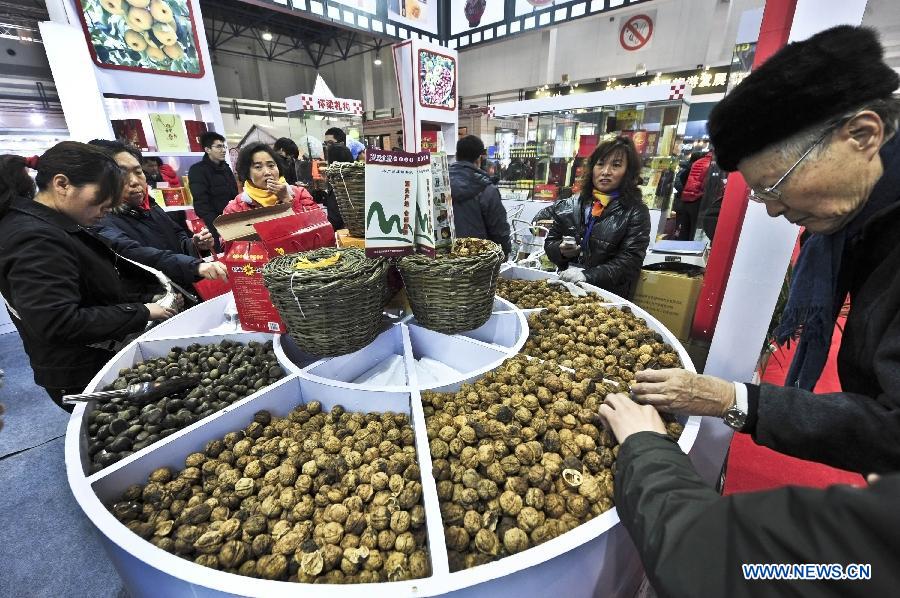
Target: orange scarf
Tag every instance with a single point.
(601, 200)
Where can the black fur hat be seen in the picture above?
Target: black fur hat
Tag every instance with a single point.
(804, 83)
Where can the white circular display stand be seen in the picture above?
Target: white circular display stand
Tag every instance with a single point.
(596, 558)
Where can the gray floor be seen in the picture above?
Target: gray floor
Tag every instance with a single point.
(48, 547)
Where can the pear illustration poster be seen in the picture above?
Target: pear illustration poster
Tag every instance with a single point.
(155, 36)
(392, 182)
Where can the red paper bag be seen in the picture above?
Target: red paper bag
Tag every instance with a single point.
(210, 289)
(245, 261)
(296, 232)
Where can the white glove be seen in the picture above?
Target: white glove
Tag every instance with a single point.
(575, 290)
(572, 275)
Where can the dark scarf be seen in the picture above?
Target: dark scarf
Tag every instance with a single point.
(815, 298)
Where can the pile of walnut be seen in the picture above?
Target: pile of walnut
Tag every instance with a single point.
(531, 294)
(313, 497)
(466, 246)
(598, 341)
(520, 457)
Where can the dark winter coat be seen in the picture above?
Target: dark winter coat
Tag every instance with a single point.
(617, 246)
(857, 429)
(477, 209)
(151, 238)
(64, 282)
(692, 541)
(212, 187)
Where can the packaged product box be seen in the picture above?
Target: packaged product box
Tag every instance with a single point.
(239, 226)
(424, 236)
(174, 196)
(130, 131)
(296, 232)
(195, 130)
(671, 298)
(391, 200)
(441, 202)
(245, 261)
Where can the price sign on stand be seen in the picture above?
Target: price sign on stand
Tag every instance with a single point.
(636, 32)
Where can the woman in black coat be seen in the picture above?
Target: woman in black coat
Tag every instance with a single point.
(609, 223)
(61, 283)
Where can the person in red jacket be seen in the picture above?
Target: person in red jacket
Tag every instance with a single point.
(262, 171)
(690, 197)
(156, 171)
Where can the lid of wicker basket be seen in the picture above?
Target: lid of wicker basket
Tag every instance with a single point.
(331, 299)
(453, 292)
(348, 179)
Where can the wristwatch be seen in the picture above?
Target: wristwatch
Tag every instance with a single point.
(736, 415)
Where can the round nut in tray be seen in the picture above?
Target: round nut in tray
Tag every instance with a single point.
(348, 179)
(331, 299)
(455, 292)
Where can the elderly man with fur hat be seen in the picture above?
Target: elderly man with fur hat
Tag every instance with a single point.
(814, 133)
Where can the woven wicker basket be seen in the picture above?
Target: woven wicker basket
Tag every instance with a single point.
(330, 310)
(454, 293)
(348, 179)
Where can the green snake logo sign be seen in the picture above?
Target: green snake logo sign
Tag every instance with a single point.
(385, 224)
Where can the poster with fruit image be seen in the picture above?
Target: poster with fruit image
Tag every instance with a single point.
(154, 36)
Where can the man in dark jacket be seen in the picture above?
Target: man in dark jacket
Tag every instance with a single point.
(693, 542)
(477, 209)
(212, 182)
(140, 230)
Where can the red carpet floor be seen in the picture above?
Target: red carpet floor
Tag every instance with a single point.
(752, 467)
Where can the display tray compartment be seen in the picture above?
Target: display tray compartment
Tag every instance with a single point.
(151, 563)
(139, 351)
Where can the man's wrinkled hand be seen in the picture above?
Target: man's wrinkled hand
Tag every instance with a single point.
(682, 392)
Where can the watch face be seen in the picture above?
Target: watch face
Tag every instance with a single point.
(735, 418)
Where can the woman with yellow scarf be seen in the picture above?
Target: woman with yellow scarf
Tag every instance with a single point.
(263, 174)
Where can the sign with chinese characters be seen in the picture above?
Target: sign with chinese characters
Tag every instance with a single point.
(392, 197)
(313, 103)
(701, 81)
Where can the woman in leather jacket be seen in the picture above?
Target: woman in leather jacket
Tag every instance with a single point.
(608, 220)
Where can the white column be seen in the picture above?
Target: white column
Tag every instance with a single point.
(76, 81)
(368, 82)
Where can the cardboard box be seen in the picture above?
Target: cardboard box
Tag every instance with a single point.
(239, 226)
(670, 298)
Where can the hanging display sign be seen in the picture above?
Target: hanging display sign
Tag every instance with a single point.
(426, 82)
(144, 36)
(304, 101)
(635, 32)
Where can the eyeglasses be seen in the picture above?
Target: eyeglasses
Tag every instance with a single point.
(772, 193)
(218, 146)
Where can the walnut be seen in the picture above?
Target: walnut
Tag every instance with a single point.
(396, 566)
(511, 503)
(400, 521)
(456, 538)
(577, 505)
(419, 565)
(233, 553)
(379, 518)
(529, 518)
(515, 540)
(209, 543)
(262, 544)
(312, 563)
(386, 539)
(272, 566)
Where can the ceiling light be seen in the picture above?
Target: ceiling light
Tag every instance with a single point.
(37, 119)
(377, 60)
(267, 36)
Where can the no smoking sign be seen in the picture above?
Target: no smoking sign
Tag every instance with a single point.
(636, 32)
